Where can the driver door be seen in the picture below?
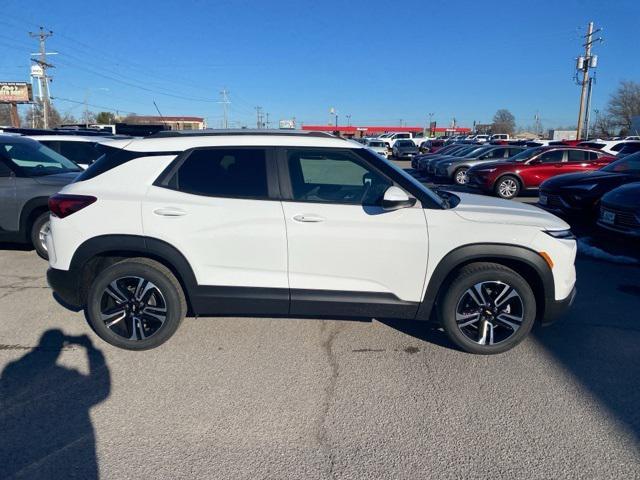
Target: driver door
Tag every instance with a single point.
(346, 254)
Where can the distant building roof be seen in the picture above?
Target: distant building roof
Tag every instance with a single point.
(153, 118)
(352, 129)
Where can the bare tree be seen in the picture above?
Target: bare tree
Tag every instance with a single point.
(624, 104)
(504, 122)
(34, 116)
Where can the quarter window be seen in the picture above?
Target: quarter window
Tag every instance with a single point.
(237, 173)
(334, 177)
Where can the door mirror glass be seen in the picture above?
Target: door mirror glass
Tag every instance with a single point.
(396, 198)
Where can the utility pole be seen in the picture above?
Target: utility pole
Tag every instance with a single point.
(44, 80)
(224, 94)
(267, 123)
(538, 126)
(259, 123)
(584, 64)
(348, 119)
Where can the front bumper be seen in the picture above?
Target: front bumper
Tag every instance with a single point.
(556, 308)
(66, 285)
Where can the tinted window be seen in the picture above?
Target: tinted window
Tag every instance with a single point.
(617, 147)
(238, 173)
(495, 153)
(577, 156)
(35, 159)
(80, 152)
(514, 151)
(334, 176)
(405, 143)
(553, 156)
(630, 148)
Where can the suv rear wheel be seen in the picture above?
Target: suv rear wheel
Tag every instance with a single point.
(38, 234)
(487, 309)
(136, 304)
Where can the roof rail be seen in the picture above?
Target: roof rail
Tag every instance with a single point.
(243, 131)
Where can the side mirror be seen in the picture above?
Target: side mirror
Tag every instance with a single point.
(395, 198)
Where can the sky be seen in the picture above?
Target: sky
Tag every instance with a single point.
(379, 62)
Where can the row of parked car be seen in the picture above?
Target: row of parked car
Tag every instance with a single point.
(598, 178)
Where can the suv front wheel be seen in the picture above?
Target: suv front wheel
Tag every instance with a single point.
(135, 304)
(507, 187)
(487, 308)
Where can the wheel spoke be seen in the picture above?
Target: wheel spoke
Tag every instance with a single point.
(486, 333)
(467, 319)
(510, 321)
(156, 315)
(114, 291)
(113, 315)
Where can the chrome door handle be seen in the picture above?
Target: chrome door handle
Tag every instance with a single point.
(308, 218)
(170, 212)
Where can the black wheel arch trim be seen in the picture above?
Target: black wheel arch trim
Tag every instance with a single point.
(26, 212)
(137, 244)
(487, 252)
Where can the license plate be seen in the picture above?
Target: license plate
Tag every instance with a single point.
(543, 200)
(608, 217)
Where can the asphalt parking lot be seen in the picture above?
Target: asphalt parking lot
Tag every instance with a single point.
(287, 398)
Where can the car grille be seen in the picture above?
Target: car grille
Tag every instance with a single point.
(622, 218)
(555, 201)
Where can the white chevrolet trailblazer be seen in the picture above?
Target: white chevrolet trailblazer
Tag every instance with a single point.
(296, 224)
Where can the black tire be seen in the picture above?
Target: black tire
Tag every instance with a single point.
(170, 294)
(462, 173)
(507, 187)
(40, 224)
(457, 306)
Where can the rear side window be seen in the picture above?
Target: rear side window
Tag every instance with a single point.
(577, 155)
(80, 152)
(236, 173)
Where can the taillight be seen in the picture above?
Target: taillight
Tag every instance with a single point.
(62, 205)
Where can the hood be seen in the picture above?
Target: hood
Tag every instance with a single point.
(57, 178)
(488, 165)
(485, 209)
(627, 197)
(583, 178)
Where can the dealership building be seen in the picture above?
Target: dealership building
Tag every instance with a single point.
(171, 123)
(352, 131)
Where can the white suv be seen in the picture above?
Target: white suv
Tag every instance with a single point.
(296, 224)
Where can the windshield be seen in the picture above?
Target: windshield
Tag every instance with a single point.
(478, 151)
(35, 160)
(525, 155)
(376, 144)
(629, 164)
(405, 143)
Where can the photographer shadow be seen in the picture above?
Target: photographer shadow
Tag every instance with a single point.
(45, 423)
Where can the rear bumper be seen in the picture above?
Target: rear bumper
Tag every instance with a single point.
(66, 286)
(556, 308)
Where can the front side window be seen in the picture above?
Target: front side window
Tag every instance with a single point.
(554, 156)
(34, 159)
(236, 173)
(334, 176)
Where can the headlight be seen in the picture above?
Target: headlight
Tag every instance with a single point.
(585, 187)
(561, 234)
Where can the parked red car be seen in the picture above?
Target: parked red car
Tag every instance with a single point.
(528, 169)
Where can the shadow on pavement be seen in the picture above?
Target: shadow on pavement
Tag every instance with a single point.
(598, 341)
(23, 247)
(45, 426)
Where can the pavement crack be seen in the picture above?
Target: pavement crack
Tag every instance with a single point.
(329, 335)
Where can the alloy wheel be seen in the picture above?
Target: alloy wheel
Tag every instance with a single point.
(43, 233)
(133, 308)
(490, 312)
(508, 188)
(461, 177)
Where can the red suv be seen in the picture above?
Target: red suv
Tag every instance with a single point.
(530, 168)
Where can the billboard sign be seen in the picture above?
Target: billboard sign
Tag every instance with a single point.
(15, 92)
(287, 124)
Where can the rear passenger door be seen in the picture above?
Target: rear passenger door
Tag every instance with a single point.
(220, 208)
(8, 209)
(347, 255)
